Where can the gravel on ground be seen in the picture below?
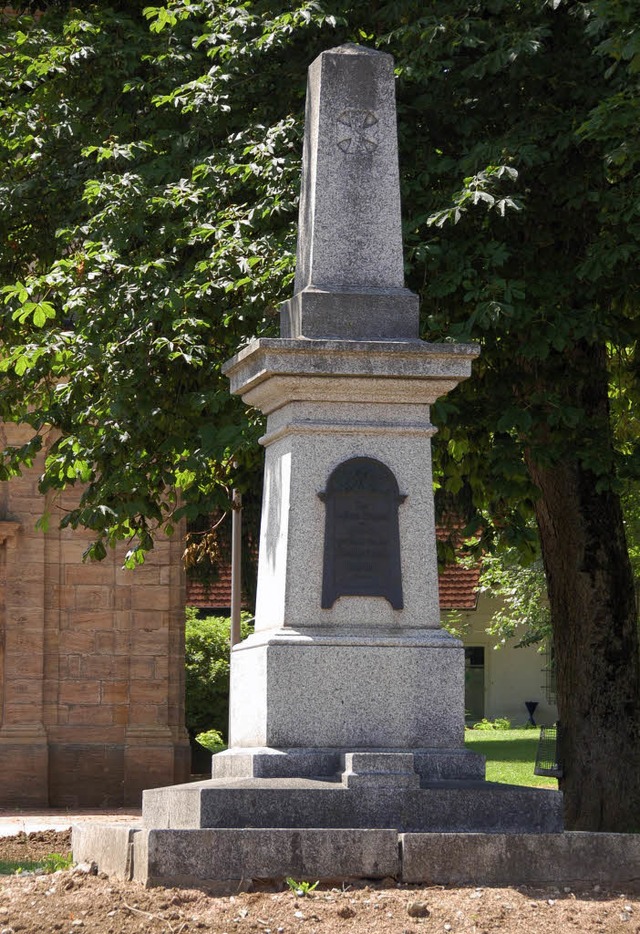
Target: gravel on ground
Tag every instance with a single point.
(80, 900)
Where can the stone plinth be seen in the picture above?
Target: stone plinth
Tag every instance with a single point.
(355, 691)
(374, 797)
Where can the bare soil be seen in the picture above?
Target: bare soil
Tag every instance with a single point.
(77, 901)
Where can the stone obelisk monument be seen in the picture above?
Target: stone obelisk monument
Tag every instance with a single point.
(348, 654)
(347, 702)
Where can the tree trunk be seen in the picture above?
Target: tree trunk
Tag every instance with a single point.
(595, 632)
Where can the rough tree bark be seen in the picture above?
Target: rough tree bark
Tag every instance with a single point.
(594, 619)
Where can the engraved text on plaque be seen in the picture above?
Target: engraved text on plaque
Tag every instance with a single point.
(361, 539)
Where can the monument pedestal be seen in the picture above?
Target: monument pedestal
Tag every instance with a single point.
(358, 690)
(347, 703)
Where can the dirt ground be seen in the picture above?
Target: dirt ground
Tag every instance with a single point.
(76, 901)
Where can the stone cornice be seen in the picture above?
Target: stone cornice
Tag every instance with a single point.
(270, 372)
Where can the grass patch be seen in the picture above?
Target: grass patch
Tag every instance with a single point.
(50, 863)
(511, 756)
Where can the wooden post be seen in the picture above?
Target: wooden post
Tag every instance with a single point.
(236, 566)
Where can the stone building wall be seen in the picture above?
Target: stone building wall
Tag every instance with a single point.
(91, 662)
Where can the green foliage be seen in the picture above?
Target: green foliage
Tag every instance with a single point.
(631, 508)
(53, 862)
(527, 299)
(211, 740)
(455, 623)
(301, 888)
(207, 643)
(521, 587)
(500, 723)
(148, 197)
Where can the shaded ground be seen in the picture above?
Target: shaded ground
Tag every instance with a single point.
(78, 902)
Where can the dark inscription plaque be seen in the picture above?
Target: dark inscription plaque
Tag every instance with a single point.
(361, 537)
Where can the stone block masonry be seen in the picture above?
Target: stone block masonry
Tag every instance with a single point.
(91, 663)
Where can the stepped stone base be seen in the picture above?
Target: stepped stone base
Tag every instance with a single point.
(229, 831)
(369, 789)
(362, 801)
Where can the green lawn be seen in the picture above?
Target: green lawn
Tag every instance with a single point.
(510, 755)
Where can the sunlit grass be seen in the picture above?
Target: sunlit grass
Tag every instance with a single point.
(511, 756)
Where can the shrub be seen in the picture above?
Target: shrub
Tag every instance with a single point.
(207, 671)
(500, 723)
(211, 740)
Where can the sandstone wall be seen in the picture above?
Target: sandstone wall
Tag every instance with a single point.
(91, 662)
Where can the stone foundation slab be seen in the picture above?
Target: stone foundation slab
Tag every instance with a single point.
(110, 845)
(227, 860)
(191, 857)
(521, 859)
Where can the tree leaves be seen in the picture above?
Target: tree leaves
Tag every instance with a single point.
(148, 195)
(477, 191)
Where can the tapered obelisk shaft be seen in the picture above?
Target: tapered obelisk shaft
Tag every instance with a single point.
(349, 275)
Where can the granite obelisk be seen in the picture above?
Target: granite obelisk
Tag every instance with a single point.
(347, 702)
(348, 653)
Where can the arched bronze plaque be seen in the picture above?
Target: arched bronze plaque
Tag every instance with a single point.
(361, 536)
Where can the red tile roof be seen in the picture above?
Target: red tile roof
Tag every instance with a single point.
(215, 596)
(457, 582)
(457, 585)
